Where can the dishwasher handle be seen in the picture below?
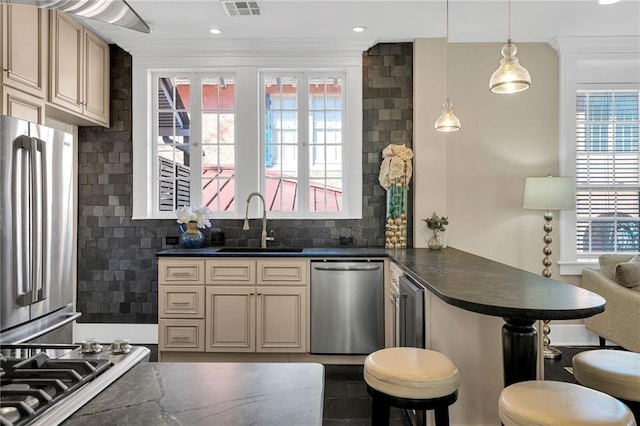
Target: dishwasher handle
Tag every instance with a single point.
(346, 268)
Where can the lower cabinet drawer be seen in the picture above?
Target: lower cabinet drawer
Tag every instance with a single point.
(181, 335)
(179, 301)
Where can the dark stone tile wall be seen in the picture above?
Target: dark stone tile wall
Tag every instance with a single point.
(117, 265)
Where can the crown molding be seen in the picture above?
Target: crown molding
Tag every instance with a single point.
(251, 47)
(601, 45)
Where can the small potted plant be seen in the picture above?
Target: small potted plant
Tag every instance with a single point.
(436, 224)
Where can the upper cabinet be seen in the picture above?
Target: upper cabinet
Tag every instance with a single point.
(52, 65)
(25, 60)
(79, 72)
(24, 49)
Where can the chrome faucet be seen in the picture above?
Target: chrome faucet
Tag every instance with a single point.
(245, 226)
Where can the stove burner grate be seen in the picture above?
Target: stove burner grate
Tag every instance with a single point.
(31, 386)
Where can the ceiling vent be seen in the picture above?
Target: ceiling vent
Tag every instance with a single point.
(241, 8)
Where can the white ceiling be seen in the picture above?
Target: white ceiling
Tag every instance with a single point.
(185, 24)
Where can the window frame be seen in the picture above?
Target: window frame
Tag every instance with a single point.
(248, 132)
(303, 144)
(587, 63)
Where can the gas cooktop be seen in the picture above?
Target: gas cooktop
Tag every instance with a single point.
(45, 384)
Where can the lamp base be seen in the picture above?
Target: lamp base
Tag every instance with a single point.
(548, 352)
(551, 353)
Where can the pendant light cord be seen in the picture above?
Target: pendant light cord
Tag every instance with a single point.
(509, 21)
(446, 56)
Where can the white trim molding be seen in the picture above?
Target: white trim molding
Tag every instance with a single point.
(105, 333)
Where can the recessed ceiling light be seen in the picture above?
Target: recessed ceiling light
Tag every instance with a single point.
(215, 31)
(608, 1)
(358, 29)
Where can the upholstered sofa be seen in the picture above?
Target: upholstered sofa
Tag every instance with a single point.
(618, 281)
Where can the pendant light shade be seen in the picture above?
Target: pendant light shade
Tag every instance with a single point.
(510, 77)
(447, 122)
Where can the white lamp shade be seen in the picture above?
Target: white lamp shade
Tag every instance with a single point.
(549, 193)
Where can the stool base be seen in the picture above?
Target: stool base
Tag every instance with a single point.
(381, 404)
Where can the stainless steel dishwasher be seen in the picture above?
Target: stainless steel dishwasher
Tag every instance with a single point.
(347, 315)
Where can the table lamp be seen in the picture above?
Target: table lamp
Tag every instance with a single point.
(549, 193)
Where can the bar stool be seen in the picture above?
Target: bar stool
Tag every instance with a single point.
(551, 403)
(613, 372)
(411, 378)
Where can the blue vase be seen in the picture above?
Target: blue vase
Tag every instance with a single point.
(191, 237)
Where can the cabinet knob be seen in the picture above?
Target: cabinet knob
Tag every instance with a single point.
(251, 294)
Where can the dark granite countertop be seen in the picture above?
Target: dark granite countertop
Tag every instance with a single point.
(464, 280)
(481, 285)
(209, 394)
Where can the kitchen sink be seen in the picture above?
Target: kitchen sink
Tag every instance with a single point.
(260, 250)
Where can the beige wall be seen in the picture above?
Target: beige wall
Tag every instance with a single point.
(476, 176)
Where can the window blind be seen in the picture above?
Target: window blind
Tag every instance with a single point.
(607, 172)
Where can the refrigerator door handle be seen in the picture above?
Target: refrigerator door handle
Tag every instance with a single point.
(39, 218)
(30, 201)
(21, 199)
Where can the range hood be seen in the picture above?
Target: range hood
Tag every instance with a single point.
(116, 12)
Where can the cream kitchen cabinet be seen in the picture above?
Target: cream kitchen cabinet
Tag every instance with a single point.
(79, 72)
(18, 104)
(232, 305)
(23, 81)
(256, 305)
(25, 56)
(181, 305)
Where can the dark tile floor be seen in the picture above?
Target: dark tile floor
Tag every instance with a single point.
(346, 401)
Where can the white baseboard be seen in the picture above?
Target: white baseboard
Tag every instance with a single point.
(560, 335)
(571, 335)
(136, 333)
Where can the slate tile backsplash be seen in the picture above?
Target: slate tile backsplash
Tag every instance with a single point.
(117, 264)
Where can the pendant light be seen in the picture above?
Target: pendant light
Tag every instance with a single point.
(510, 77)
(447, 122)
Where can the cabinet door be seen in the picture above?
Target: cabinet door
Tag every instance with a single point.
(18, 104)
(96, 78)
(282, 319)
(65, 88)
(230, 319)
(25, 48)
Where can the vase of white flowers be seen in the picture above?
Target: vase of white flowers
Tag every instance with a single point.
(190, 221)
(436, 224)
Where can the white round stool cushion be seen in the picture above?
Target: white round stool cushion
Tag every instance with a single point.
(614, 372)
(411, 373)
(550, 403)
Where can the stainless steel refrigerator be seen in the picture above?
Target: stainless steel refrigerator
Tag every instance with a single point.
(36, 229)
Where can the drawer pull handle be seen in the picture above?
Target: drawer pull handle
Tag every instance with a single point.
(181, 274)
(181, 338)
(346, 268)
(181, 303)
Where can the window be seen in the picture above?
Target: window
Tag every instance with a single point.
(607, 172)
(195, 141)
(286, 144)
(599, 126)
(211, 136)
